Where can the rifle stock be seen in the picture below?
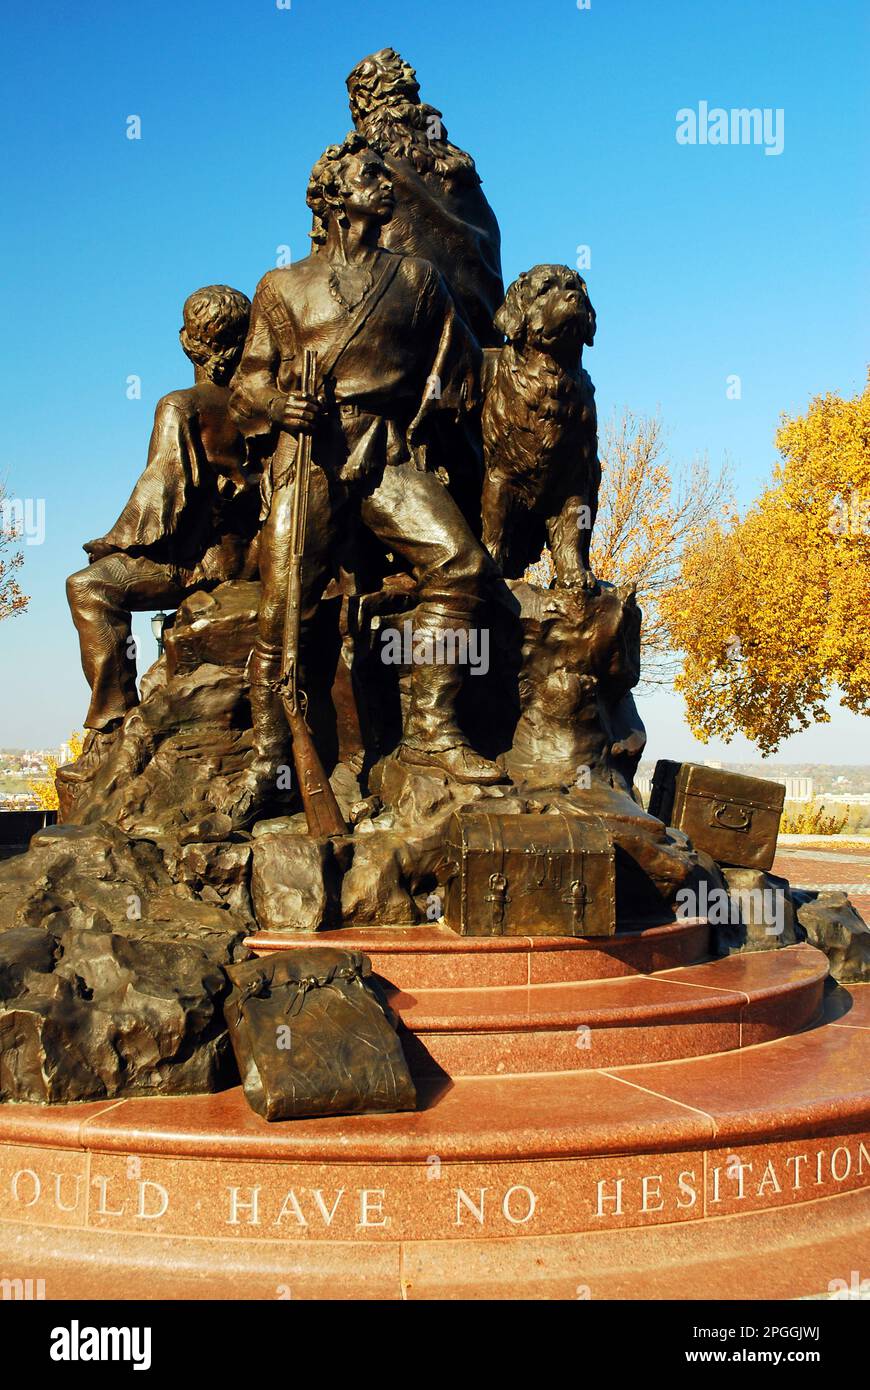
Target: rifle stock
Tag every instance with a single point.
(318, 799)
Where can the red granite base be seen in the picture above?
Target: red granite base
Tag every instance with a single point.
(650, 1170)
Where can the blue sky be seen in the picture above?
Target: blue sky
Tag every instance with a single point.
(705, 261)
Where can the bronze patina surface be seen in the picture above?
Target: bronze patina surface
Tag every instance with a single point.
(367, 711)
(441, 213)
(313, 1035)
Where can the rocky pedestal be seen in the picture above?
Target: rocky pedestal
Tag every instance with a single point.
(114, 928)
(830, 922)
(111, 979)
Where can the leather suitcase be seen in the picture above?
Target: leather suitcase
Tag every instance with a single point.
(733, 818)
(529, 875)
(313, 1035)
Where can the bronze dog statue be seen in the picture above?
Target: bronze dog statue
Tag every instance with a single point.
(540, 434)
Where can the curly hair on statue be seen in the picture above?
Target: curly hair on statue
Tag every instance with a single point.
(324, 185)
(215, 327)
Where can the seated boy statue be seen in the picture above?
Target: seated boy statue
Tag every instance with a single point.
(191, 522)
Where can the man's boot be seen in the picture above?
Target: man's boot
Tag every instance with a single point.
(432, 737)
(72, 780)
(264, 785)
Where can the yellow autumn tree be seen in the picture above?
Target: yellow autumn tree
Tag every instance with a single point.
(44, 789)
(773, 611)
(12, 598)
(650, 510)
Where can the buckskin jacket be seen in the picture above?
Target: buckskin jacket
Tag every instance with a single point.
(393, 371)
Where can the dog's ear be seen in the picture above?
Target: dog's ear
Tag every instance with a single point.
(510, 319)
(591, 323)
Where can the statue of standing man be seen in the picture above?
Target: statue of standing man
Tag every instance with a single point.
(397, 371)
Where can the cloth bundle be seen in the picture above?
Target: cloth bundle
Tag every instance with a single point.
(313, 1035)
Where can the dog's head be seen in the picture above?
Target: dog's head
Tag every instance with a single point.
(547, 307)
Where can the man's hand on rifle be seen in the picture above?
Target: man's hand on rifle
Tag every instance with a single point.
(301, 412)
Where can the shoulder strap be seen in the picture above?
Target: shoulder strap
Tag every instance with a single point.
(282, 325)
(329, 360)
(279, 319)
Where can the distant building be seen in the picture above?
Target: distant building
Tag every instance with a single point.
(796, 788)
(799, 788)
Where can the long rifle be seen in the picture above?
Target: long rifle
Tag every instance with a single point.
(318, 799)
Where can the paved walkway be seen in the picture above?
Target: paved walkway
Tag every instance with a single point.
(844, 868)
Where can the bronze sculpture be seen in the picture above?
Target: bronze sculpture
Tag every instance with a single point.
(322, 812)
(369, 401)
(335, 1032)
(190, 523)
(540, 434)
(385, 328)
(441, 211)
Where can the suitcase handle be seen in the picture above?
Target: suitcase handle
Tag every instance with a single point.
(498, 897)
(720, 810)
(576, 896)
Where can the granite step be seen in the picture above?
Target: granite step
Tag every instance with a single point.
(661, 1178)
(763, 1255)
(431, 956)
(707, 1008)
(769, 1254)
(813, 1083)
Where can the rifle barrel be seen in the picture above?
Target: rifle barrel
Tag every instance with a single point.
(321, 808)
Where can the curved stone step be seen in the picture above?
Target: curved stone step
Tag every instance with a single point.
(822, 1250)
(815, 1082)
(660, 1180)
(502, 1184)
(431, 956)
(569, 1026)
(487, 1158)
